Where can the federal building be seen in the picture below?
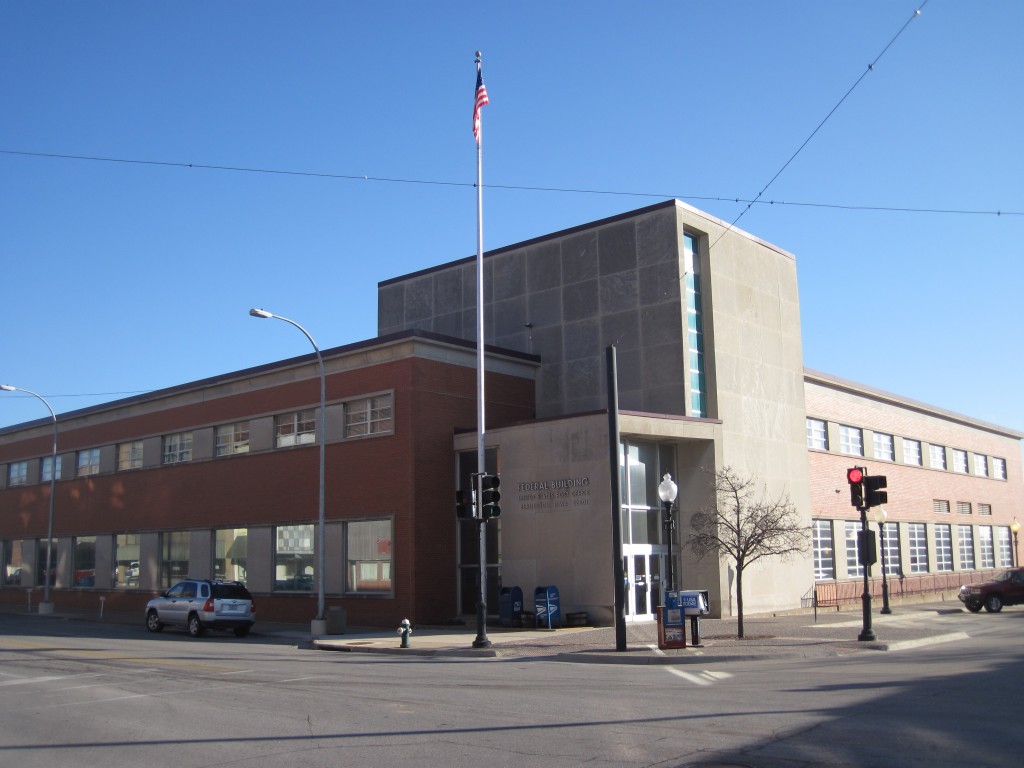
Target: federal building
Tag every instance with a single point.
(218, 478)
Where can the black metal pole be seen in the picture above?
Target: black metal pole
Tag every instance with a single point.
(885, 582)
(618, 572)
(866, 633)
(670, 583)
(481, 640)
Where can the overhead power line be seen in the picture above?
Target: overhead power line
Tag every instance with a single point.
(511, 187)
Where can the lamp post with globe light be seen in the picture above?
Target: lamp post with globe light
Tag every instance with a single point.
(880, 517)
(1015, 527)
(667, 491)
(46, 606)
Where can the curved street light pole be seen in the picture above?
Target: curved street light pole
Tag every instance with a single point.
(46, 606)
(321, 559)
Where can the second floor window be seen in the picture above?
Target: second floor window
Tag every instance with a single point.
(817, 435)
(912, 452)
(297, 428)
(17, 473)
(46, 469)
(937, 454)
(89, 462)
(851, 441)
(959, 461)
(232, 438)
(981, 465)
(884, 447)
(369, 416)
(177, 448)
(129, 455)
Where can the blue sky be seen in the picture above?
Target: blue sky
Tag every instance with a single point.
(123, 277)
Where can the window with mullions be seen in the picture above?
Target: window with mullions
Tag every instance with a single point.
(177, 448)
(824, 556)
(12, 563)
(1005, 551)
(173, 557)
(917, 547)
(851, 441)
(85, 561)
(853, 566)
(129, 456)
(88, 462)
(127, 548)
(891, 548)
(986, 547)
(943, 548)
(368, 556)
(639, 476)
(959, 461)
(297, 428)
(231, 439)
(817, 435)
(369, 416)
(294, 562)
(981, 465)
(965, 535)
(937, 456)
(912, 452)
(884, 447)
(694, 327)
(999, 469)
(230, 554)
(45, 468)
(17, 473)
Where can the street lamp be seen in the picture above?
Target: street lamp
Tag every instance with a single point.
(319, 625)
(1015, 527)
(46, 606)
(880, 516)
(667, 491)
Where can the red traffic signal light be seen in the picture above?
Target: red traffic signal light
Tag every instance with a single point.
(855, 474)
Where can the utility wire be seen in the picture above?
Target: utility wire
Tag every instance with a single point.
(511, 187)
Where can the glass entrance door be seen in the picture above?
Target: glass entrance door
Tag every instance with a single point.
(643, 582)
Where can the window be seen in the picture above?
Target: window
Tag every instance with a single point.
(129, 455)
(986, 547)
(937, 456)
(88, 462)
(963, 507)
(230, 554)
(999, 469)
(173, 557)
(984, 509)
(17, 473)
(45, 466)
(884, 447)
(368, 556)
(232, 439)
(817, 434)
(851, 441)
(177, 448)
(694, 327)
(369, 416)
(890, 535)
(298, 428)
(85, 561)
(10, 561)
(981, 465)
(917, 547)
(641, 507)
(294, 568)
(126, 560)
(959, 461)
(853, 566)
(965, 534)
(1005, 550)
(821, 540)
(943, 548)
(912, 452)
(940, 506)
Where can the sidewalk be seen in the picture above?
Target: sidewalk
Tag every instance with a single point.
(797, 635)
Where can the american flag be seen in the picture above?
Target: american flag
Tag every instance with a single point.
(481, 99)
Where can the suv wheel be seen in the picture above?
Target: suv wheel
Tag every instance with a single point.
(153, 623)
(195, 627)
(993, 603)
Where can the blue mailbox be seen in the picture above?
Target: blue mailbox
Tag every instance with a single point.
(510, 606)
(547, 610)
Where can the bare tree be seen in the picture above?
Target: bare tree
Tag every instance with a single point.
(745, 525)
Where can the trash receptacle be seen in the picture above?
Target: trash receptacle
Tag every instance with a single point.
(510, 606)
(336, 620)
(547, 611)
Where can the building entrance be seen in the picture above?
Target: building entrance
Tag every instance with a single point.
(643, 566)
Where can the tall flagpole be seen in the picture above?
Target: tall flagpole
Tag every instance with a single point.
(480, 98)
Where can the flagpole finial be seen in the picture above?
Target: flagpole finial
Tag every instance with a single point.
(478, 55)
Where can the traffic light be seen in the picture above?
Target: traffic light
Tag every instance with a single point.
(855, 477)
(489, 496)
(874, 491)
(464, 505)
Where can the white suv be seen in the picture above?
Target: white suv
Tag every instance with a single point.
(200, 604)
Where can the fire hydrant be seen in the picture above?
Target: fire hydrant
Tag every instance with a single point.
(405, 630)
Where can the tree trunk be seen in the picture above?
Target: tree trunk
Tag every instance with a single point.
(739, 602)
